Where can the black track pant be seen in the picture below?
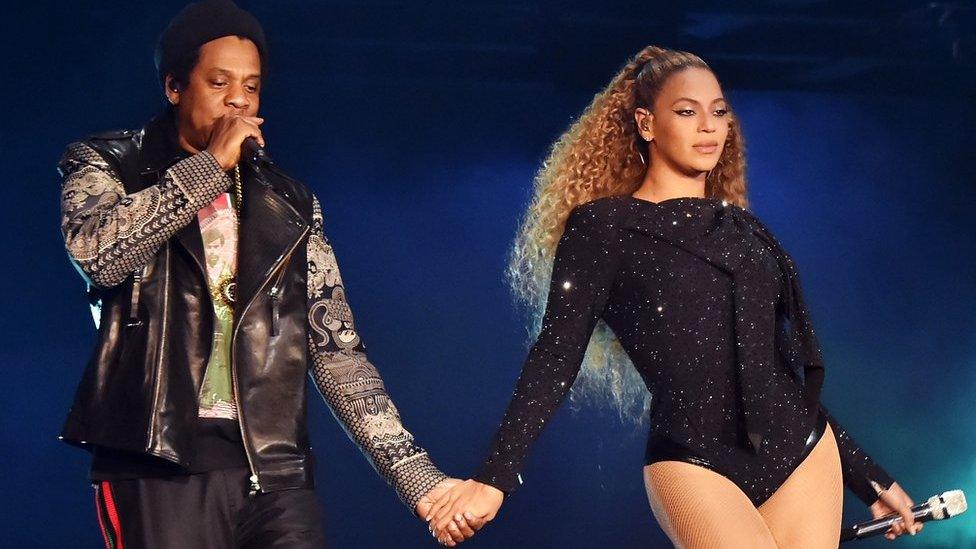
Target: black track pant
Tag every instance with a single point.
(206, 510)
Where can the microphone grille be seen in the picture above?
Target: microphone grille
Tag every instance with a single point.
(948, 504)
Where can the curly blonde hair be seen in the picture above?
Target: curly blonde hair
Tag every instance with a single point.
(601, 155)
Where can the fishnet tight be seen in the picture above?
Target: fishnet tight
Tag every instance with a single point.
(700, 509)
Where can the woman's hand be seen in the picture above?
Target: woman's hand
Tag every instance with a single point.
(463, 529)
(469, 502)
(895, 500)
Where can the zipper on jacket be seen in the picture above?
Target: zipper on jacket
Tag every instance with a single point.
(162, 350)
(275, 294)
(137, 277)
(255, 481)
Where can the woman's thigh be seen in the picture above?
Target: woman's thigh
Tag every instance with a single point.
(700, 509)
(805, 511)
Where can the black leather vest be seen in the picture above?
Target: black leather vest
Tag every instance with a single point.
(139, 391)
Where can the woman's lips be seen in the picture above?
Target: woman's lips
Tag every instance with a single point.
(706, 148)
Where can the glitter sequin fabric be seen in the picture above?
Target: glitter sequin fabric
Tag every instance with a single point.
(708, 306)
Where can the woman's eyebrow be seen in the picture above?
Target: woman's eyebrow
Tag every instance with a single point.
(696, 102)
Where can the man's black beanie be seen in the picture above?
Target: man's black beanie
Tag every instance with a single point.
(200, 23)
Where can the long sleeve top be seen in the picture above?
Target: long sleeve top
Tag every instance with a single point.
(709, 309)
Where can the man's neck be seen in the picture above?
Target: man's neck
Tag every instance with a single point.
(185, 144)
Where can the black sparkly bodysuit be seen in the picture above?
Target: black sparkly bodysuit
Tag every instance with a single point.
(708, 307)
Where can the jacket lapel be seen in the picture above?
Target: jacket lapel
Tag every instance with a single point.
(270, 229)
(159, 148)
(191, 239)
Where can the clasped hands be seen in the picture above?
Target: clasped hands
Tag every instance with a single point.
(454, 509)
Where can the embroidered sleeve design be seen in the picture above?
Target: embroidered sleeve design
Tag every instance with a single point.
(108, 233)
(351, 385)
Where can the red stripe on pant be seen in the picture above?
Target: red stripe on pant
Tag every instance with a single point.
(99, 509)
(107, 502)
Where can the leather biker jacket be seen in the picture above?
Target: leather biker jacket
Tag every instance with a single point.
(129, 205)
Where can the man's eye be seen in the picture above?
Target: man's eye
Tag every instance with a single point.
(219, 83)
(251, 89)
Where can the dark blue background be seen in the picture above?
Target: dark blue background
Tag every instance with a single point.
(420, 127)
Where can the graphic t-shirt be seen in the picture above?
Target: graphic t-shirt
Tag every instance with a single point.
(218, 443)
(218, 227)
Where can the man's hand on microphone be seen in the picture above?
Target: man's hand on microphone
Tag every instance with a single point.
(229, 133)
(895, 500)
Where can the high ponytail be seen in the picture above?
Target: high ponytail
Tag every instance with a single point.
(600, 155)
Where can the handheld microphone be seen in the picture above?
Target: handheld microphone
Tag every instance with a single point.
(254, 153)
(946, 505)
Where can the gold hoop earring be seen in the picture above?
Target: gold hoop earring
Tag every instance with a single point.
(643, 160)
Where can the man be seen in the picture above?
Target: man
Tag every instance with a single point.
(215, 291)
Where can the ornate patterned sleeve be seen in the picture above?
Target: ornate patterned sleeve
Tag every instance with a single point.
(351, 385)
(110, 234)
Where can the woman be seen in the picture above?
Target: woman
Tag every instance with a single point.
(645, 195)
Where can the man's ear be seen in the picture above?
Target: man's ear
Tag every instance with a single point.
(172, 90)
